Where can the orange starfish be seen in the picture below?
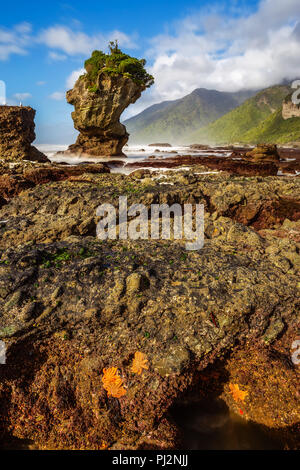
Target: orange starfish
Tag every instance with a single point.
(139, 363)
(113, 383)
(115, 389)
(237, 393)
(110, 374)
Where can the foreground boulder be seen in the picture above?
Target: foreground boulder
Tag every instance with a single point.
(17, 134)
(76, 311)
(104, 338)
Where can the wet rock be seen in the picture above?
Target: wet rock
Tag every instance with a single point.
(264, 153)
(199, 147)
(60, 173)
(164, 144)
(268, 368)
(12, 184)
(173, 363)
(231, 166)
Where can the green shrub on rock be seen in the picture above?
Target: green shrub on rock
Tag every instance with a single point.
(116, 63)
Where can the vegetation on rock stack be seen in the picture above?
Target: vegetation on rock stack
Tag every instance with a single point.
(116, 63)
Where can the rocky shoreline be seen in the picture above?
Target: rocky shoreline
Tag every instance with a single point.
(218, 322)
(235, 160)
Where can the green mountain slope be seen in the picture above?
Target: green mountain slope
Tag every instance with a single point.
(244, 123)
(275, 129)
(171, 121)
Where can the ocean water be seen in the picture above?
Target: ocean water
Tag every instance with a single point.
(209, 425)
(133, 153)
(136, 153)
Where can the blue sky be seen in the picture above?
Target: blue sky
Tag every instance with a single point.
(188, 44)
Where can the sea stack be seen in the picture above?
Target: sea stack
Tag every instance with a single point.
(17, 133)
(111, 83)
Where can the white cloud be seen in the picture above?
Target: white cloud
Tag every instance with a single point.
(23, 28)
(56, 56)
(72, 78)
(22, 96)
(70, 82)
(57, 96)
(61, 39)
(76, 42)
(216, 50)
(2, 92)
(41, 83)
(15, 40)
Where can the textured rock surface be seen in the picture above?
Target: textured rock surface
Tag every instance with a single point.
(23, 176)
(97, 114)
(67, 315)
(72, 306)
(17, 134)
(51, 212)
